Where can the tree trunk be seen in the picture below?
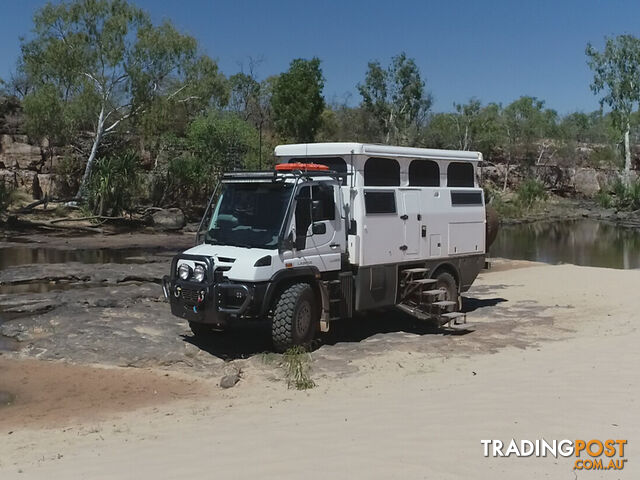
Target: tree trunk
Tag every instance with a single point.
(506, 173)
(627, 155)
(82, 191)
(465, 145)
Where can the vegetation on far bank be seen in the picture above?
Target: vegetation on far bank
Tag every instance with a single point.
(529, 197)
(134, 113)
(621, 195)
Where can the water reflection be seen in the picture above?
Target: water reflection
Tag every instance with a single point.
(580, 242)
(11, 256)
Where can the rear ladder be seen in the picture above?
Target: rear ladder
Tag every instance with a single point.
(421, 298)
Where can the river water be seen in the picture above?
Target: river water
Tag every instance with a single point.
(580, 242)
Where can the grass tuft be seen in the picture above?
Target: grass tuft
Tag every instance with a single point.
(296, 362)
(621, 195)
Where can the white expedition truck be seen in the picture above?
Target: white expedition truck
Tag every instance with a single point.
(335, 229)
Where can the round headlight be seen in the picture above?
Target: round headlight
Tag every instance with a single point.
(184, 271)
(198, 273)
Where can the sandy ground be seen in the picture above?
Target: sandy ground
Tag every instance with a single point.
(565, 366)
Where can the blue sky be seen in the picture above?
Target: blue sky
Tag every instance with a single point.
(492, 50)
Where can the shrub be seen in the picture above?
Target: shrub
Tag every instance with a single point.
(69, 170)
(190, 180)
(633, 195)
(5, 196)
(620, 195)
(504, 207)
(604, 199)
(115, 184)
(604, 156)
(530, 193)
(528, 196)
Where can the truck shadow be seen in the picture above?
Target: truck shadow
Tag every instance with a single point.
(470, 304)
(248, 339)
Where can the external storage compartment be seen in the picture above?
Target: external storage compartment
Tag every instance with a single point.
(467, 237)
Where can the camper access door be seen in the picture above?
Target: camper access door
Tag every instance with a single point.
(411, 219)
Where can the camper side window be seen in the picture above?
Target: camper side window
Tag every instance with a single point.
(381, 172)
(379, 202)
(460, 175)
(424, 173)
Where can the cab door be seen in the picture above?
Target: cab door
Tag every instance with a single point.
(319, 232)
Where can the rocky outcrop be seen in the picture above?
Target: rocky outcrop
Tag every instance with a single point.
(589, 181)
(28, 167)
(167, 219)
(17, 153)
(582, 181)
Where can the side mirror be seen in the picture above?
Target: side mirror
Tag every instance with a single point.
(319, 228)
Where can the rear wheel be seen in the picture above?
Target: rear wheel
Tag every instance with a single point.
(295, 317)
(446, 281)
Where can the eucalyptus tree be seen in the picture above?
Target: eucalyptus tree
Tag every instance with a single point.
(525, 121)
(397, 98)
(251, 99)
(616, 76)
(97, 65)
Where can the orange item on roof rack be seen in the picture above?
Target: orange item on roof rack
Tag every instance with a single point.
(287, 167)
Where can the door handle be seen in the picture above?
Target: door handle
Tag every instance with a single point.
(403, 247)
(404, 217)
(334, 245)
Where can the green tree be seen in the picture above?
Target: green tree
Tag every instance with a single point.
(223, 139)
(397, 98)
(470, 127)
(489, 135)
(97, 64)
(297, 100)
(215, 142)
(251, 100)
(526, 122)
(441, 131)
(343, 123)
(616, 74)
(466, 122)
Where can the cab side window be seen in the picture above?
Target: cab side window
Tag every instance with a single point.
(303, 216)
(314, 204)
(324, 205)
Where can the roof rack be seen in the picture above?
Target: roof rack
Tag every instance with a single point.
(265, 176)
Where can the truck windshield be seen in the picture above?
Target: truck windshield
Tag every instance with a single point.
(249, 215)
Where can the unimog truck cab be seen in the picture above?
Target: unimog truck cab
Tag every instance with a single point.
(334, 229)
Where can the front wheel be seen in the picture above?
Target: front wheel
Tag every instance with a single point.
(295, 317)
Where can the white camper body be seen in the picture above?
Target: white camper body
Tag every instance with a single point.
(359, 227)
